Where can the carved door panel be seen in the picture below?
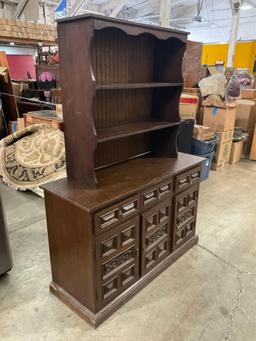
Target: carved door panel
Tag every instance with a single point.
(117, 254)
(185, 210)
(155, 235)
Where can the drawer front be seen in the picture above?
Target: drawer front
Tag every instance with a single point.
(184, 234)
(155, 235)
(185, 211)
(185, 180)
(117, 254)
(116, 214)
(186, 199)
(153, 195)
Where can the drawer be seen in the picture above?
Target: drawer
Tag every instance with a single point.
(112, 243)
(155, 256)
(155, 235)
(117, 213)
(184, 234)
(117, 259)
(155, 217)
(114, 286)
(185, 180)
(153, 195)
(186, 199)
(185, 217)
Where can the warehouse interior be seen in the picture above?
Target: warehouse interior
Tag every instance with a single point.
(127, 170)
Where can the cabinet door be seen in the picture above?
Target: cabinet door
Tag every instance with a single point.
(185, 210)
(155, 235)
(117, 258)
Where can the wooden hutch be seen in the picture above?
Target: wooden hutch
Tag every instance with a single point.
(127, 209)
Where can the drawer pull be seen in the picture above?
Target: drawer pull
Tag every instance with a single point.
(149, 195)
(109, 218)
(183, 182)
(164, 188)
(128, 207)
(195, 175)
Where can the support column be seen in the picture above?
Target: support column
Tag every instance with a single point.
(165, 12)
(233, 35)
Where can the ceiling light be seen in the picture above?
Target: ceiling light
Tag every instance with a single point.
(246, 6)
(12, 44)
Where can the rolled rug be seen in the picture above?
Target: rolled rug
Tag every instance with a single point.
(32, 157)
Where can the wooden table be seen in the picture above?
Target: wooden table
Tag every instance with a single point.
(43, 116)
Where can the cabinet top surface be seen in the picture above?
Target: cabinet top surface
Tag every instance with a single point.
(119, 181)
(116, 21)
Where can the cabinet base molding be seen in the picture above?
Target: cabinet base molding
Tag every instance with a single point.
(95, 319)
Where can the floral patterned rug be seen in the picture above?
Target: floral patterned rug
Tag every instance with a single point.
(32, 157)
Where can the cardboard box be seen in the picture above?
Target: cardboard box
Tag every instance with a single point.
(253, 148)
(236, 152)
(192, 91)
(188, 106)
(222, 150)
(248, 94)
(218, 166)
(203, 133)
(220, 119)
(246, 114)
(20, 123)
(248, 143)
(197, 92)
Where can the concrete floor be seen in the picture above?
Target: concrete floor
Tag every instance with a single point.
(209, 294)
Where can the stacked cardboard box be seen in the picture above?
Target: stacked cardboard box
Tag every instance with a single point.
(223, 121)
(246, 117)
(248, 94)
(196, 92)
(236, 151)
(188, 106)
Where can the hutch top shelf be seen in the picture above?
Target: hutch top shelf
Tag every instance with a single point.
(100, 22)
(121, 84)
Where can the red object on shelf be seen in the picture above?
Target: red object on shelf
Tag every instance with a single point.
(188, 100)
(20, 65)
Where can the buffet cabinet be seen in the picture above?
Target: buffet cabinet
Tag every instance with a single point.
(100, 258)
(127, 209)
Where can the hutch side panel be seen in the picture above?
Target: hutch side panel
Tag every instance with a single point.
(71, 249)
(78, 91)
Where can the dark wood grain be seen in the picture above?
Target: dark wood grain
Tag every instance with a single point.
(71, 248)
(77, 93)
(131, 129)
(122, 180)
(98, 318)
(128, 74)
(116, 86)
(100, 22)
(112, 235)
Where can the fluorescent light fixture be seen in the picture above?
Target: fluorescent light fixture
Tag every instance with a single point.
(12, 43)
(246, 6)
